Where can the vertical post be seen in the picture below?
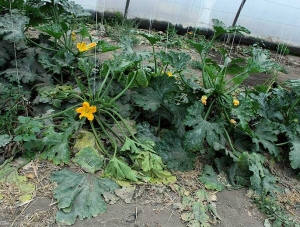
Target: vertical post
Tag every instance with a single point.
(126, 9)
(238, 12)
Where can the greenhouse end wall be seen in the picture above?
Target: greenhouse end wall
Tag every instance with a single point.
(272, 20)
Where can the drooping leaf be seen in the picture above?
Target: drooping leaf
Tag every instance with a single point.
(119, 170)
(79, 195)
(295, 153)
(106, 47)
(89, 159)
(210, 179)
(153, 96)
(170, 149)
(54, 30)
(202, 129)
(151, 38)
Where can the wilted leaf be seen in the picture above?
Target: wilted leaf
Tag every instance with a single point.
(84, 139)
(210, 179)
(89, 159)
(119, 170)
(9, 175)
(79, 195)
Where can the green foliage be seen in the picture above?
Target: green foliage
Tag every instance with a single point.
(170, 148)
(275, 211)
(203, 130)
(154, 96)
(210, 179)
(56, 147)
(79, 195)
(119, 170)
(283, 49)
(11, 28)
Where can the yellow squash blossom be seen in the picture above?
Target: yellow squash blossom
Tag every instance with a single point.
(169, 73)
(236, 102)
(86, 111)
(203, 99)
(73, 36)
(232, 121)
(190, 33)
(84, 47)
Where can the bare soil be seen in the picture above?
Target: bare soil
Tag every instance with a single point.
(155, 207)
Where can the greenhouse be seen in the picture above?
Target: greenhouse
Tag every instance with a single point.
(150, 113)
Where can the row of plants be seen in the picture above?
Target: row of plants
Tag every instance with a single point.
(136, 116)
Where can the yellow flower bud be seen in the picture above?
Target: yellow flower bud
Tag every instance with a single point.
(232, 121)
(236, 102)
(73, 36)
(203, 99)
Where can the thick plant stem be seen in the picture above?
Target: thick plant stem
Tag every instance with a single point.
(98, 141)
(109, 137)
(57, 114)
(124, 90)
(155, 60)
(103, 83)
(231, 145)
(121, 118)
(209, 109)
(116, 121)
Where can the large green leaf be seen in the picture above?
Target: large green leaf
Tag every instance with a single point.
(55, 30)
(154, 96)
(210, 179)
(11, 27)
(295, 153)
(24, 69)
(244, 112)
(56, 148)
(75, 9)
(178, 61)
(79, 195)
(170, 149)
(266, 134)
(202, 129)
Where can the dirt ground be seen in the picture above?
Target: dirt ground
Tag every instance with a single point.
(155, 207)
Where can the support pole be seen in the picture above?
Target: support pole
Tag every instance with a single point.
(126, 9)
(238, 12)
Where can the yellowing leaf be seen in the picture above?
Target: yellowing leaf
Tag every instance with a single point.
(84, 139)
(89, 159)
(9, 175)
